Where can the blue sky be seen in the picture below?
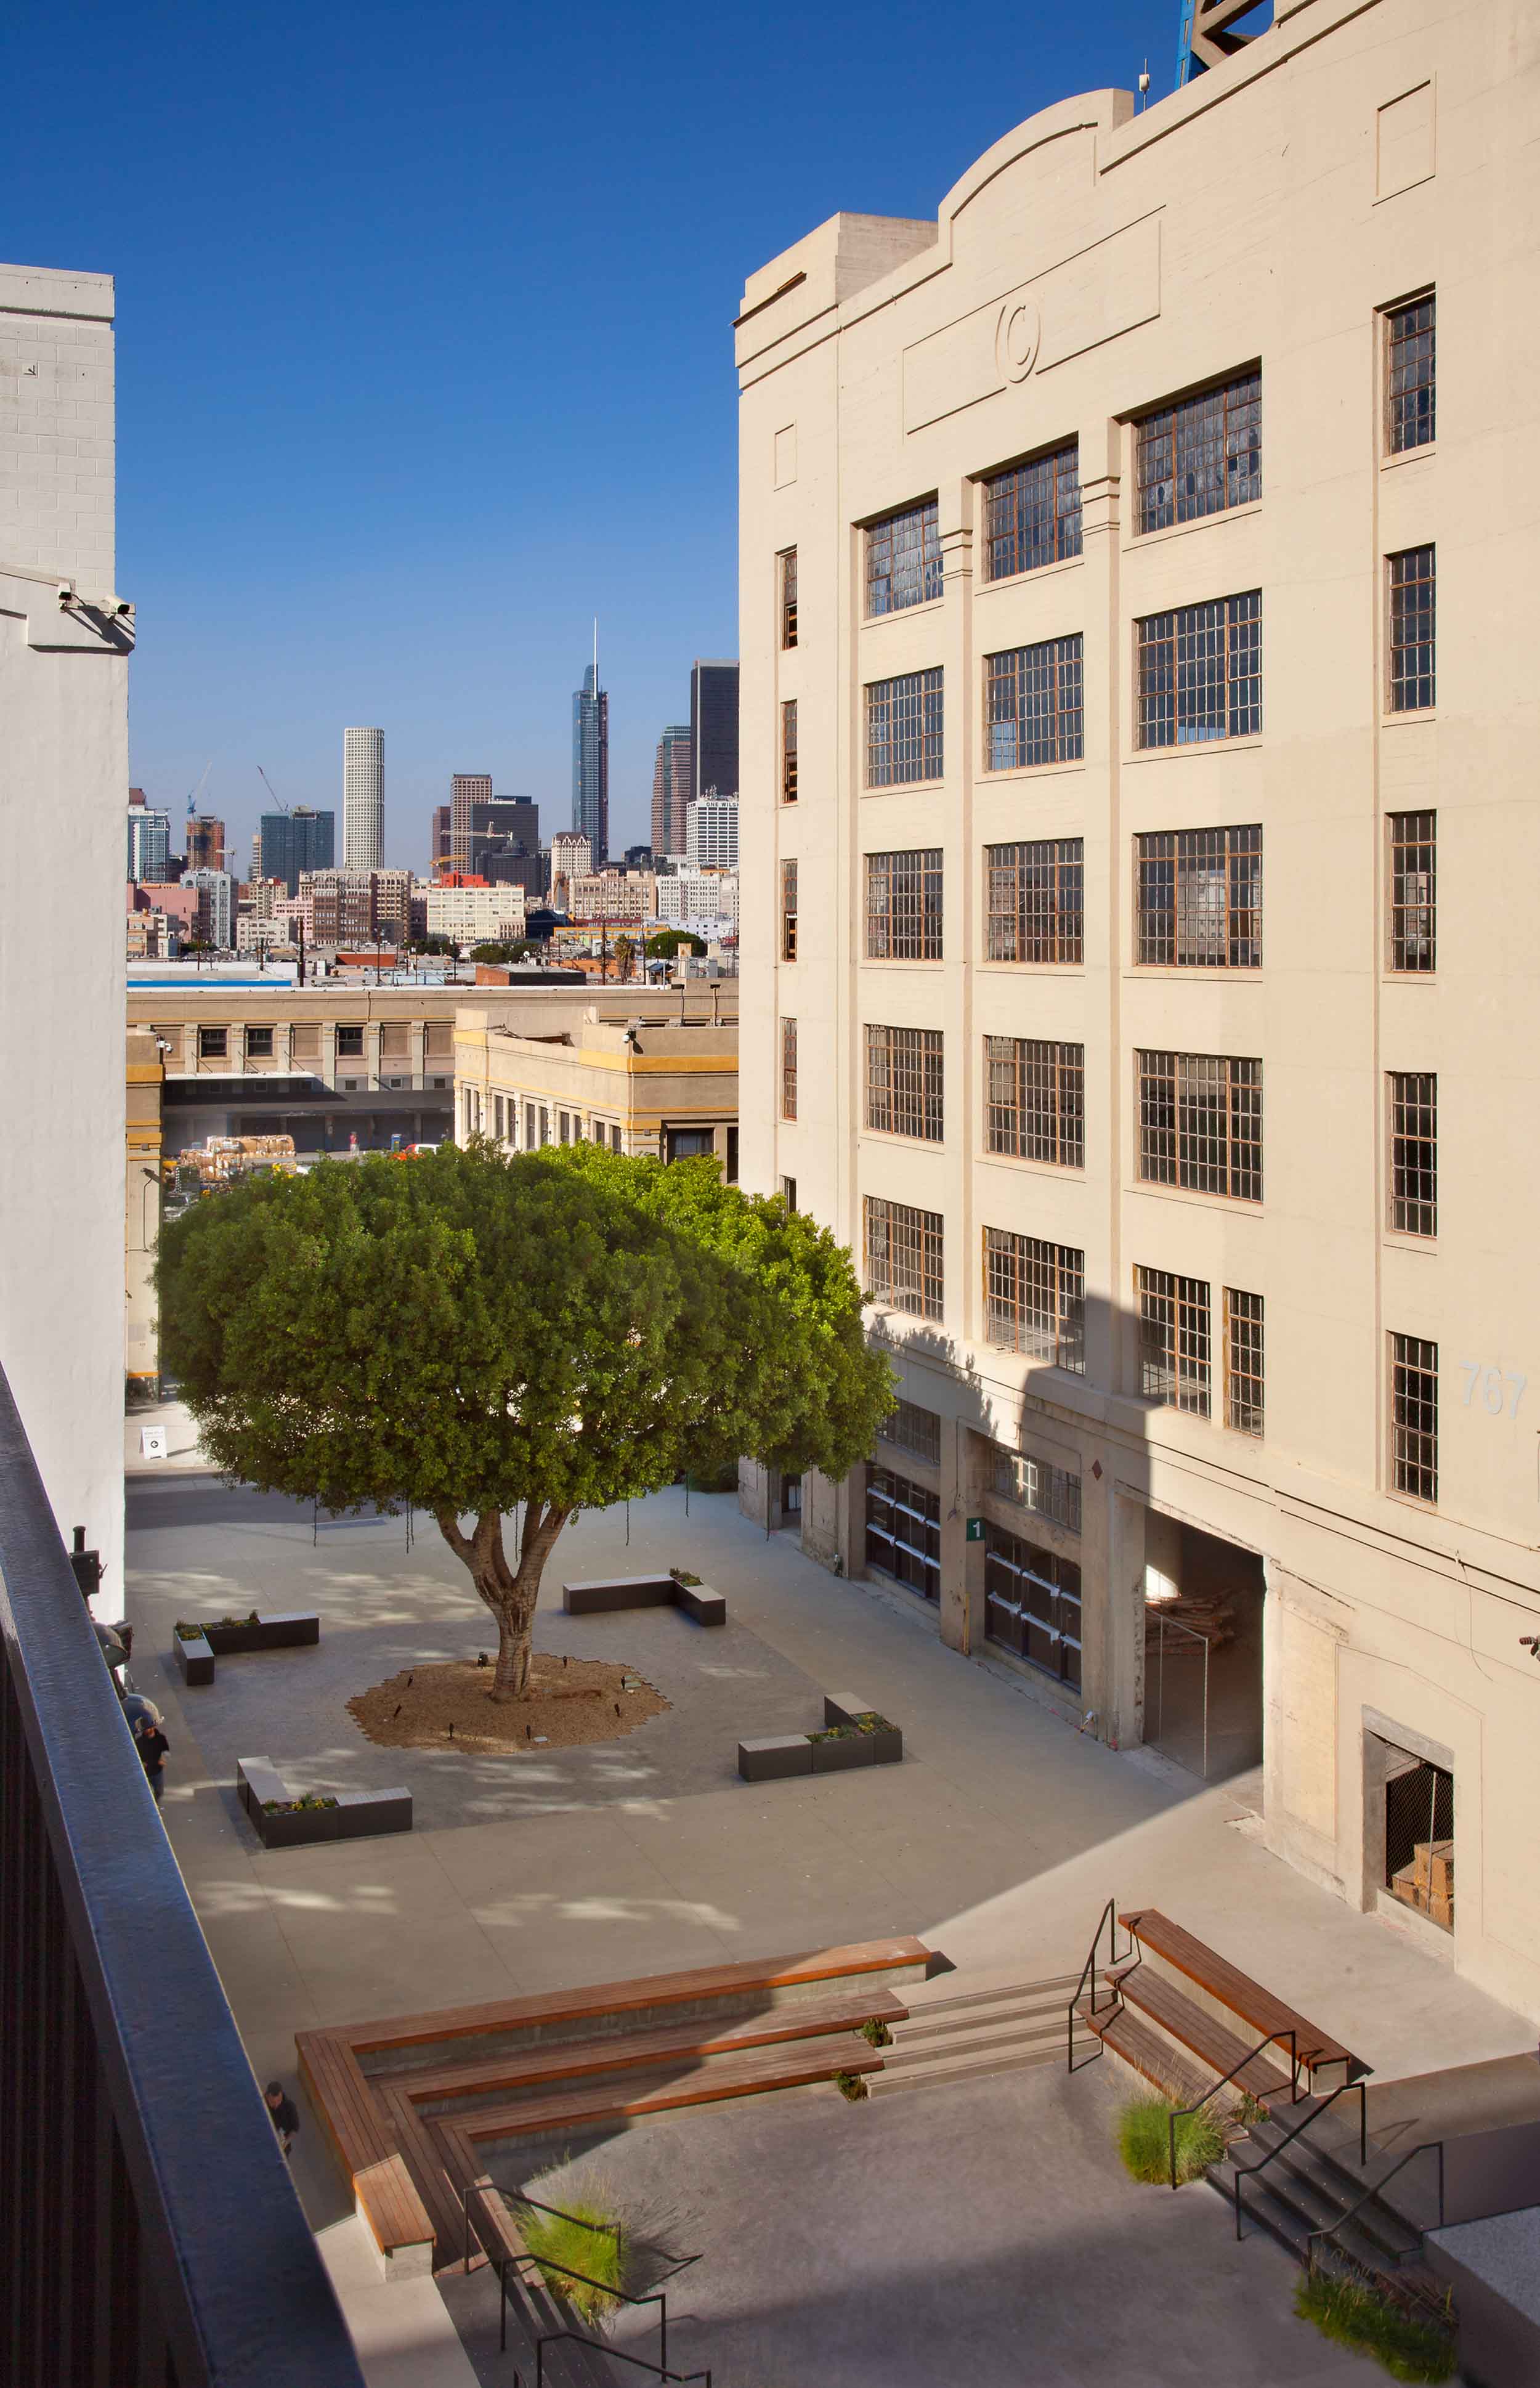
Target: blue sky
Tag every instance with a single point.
(423, 341)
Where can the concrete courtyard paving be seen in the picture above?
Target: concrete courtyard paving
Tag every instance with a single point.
(996, 1841)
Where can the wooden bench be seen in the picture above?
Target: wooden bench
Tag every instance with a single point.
(597, 1595)
(1223, 1982)
(384, 2194)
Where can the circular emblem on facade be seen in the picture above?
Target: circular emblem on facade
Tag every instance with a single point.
(1017, 339)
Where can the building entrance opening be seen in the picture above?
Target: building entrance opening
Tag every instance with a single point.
(1203, 1650)
(1419, 1836)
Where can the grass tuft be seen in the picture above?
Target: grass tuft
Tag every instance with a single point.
(852, 2086)
(1358, 2317)
(1143, 2140)
(588, 2244)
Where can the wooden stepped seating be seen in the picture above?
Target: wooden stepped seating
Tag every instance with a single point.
(406, 2102)
(1216, 2048)
(1245, 1998)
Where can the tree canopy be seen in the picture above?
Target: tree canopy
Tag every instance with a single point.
(664, 944)
(475, 1332)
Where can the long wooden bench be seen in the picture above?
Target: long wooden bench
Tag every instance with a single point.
(384, 2193)
(1202, 1966)
(1216, 2050)
(795, 2067)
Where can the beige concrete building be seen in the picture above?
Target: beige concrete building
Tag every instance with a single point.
(1163, 509)
(144, 1142)
(643, 1072)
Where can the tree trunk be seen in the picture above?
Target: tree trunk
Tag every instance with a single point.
(510, 1593)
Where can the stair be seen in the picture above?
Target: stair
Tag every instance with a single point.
(977, 2032)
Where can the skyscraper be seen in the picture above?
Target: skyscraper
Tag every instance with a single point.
(440, 840)
(296, 841)
(149, 839)
(713, 728)
(467, 789)
(590, 762)
(205, 841)
(671, 789)
(362, 799)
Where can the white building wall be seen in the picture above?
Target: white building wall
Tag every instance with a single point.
(64, 764)
(362, 799)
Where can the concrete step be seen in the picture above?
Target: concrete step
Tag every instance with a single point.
(975, 2032)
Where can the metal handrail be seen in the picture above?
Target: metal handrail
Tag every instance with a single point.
(1330, 2229)
(506, 2189)
(1107, 1921)
(546, 2264)
(1179, 2114)
(1243, 2172)
(614, 2354)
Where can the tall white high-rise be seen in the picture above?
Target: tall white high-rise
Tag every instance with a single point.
(362, 799)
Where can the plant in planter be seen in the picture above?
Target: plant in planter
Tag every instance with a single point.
(1145, 2143)
(875, 2034)
(185, 1633)
(1360, 2316)
(852, 2086)
(683, 1575)
(307, 1799)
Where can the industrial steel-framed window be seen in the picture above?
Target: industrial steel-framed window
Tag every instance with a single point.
(788, 563)
(259, 1043)
(903, 1252)
(789, 1068)
(1200, 1122)
(904, 728)
(788, 911)
(1413, 891)
(903, 905)
(1199, 671)
(1202, 456)
(903, 560)
(1411, 1099)
(1034, 1100)
(1033, 705)
(1032, 514)
(1034, 1297)
(1243, 1359)
(1411, 599)
(1174, 1360)
(1198, 903)
(1042, 1485)
(1410, 369)
(904, 1531)
(788, 751)
(1035, 901)
(213, 1044)
(905, 1073)
(909, 1428)
(1032, 1602)
(1414, 1417)
(350, 1040)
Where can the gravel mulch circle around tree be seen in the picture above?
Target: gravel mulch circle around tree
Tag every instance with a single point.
(568, 1702)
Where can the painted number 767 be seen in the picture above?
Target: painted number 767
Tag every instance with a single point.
(1493, 1385)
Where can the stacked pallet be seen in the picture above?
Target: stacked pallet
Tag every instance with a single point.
(1208, 1614)
(1428, 1884)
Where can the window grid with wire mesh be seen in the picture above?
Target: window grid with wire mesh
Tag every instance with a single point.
(1413, 891)
(1034, 1297)
(903, 1081)
(902, 1248)
(1412, 594)
(789, 597)
(1243, 1357)
(1032, 1602)
(1040, 1485)
(1033, 707)
(904, 1531)
(903, 560)
(1174, 1360)
(1199, 899)
(1201, 456)
(788, 751)
(789, 1068)
(904, 728)
(1034, 1100)
(909, 1428)
(788, 911)
(1035, 901)
(1200, 671)
(1414, 1417)
(1200, 1122)
(1413, 1098)
(1410, 363)
(1033, 515)
(903, 905)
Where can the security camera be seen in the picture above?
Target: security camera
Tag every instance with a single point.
(123, 605)
(65, 592)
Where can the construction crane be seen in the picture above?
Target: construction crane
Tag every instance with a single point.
(194, 794)
(270, 789)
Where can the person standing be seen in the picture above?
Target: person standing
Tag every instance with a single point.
(152, 1745)
(285, 2114)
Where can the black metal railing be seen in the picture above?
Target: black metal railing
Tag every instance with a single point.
(522, 2197)
(1179, 2114)
(1108, 1923)
(149, 2231)
(1330, 2229)
(1244, 2172)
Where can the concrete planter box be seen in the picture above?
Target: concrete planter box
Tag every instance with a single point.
(767, 1762)
(799, 1753)
(356, 1814)
(599, 1595)
(281, 1629)
(834, 1757)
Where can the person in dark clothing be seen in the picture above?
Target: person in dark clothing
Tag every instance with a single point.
(152, 1745)
(284, 2113)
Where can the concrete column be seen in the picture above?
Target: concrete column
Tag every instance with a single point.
(1119, 1660)
(283, 1048)
(965, 1472)
(372, 1052)
(326, 1059)
(418, 1044)
(756, 1487)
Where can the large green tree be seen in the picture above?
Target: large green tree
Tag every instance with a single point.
(478, 1333)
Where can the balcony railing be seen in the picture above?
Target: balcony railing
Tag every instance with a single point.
(149, 2234)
